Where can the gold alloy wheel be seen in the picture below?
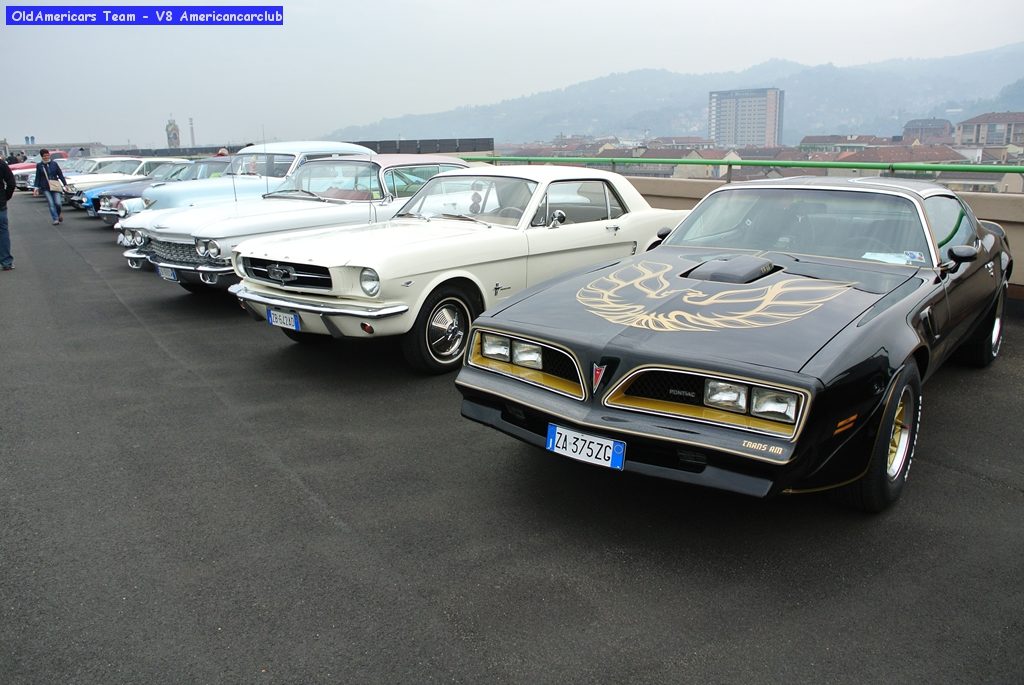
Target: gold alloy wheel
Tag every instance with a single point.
(899, 439)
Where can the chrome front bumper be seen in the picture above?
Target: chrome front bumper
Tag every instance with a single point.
(347, 321)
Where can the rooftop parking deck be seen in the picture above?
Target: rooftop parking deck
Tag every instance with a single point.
(187, 496)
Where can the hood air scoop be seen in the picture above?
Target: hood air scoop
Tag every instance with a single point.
(733, 269)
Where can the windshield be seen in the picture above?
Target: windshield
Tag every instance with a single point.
(204, 169)
(830, 223)
(119, 166)
(166, 170)
(261, 164)
(335, 180)
(493, 199)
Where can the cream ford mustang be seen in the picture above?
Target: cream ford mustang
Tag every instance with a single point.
(464, 243)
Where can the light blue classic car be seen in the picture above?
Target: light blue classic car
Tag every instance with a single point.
(253, 171)
(164, 172)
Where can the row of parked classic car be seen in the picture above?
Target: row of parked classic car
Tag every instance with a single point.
(773, 340)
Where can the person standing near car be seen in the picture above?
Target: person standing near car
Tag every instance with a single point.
(50, 179)
(7, 181)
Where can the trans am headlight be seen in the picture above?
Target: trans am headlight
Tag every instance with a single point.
(725, 395)
(369, 281)
(495, 347)
(527, 354)
(775, 405)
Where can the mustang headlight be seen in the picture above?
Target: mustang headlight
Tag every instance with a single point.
(202, 246)
(369, 281)
(725, 395)
(495, 347)
(527, 354)
(775, 405)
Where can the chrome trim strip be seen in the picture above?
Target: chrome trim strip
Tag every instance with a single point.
(246, 295)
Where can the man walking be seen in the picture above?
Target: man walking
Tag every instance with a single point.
(7, 183)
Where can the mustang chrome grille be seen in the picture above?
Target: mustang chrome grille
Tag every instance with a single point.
(287, 273)
(175, 253)
(680, 393)
(558, 371)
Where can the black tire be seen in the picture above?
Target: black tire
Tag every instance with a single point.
(438, 338)
(982, 348)
(306, 338)
(893, 451)
(195, 288)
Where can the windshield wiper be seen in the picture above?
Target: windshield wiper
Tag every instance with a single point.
(466, 217)
(294, 190)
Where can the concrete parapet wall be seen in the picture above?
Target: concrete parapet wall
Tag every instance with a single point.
(1006, 209)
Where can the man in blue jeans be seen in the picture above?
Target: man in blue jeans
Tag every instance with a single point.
(46, 171)
(7, 181)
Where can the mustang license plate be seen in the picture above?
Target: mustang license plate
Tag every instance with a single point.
(589, 448)
(283, 319)
(167, 273)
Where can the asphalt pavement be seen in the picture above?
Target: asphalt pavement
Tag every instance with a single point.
(186, 496)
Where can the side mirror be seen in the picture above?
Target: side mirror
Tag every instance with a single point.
(387, 199)
(663, 232)
(557, 218)
(958, 255)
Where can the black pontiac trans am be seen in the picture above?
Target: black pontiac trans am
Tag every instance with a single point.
(775, 342)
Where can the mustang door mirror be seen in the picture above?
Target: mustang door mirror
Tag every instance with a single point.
(557, 218)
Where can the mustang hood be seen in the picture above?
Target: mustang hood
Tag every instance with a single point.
(367, 244)
(771, 311)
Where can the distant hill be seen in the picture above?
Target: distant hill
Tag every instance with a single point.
(872, 98)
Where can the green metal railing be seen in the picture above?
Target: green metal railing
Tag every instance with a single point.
(893, 168)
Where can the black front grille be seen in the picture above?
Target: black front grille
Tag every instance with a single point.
(668, 386)
(287, 273)
(559, 364)
(176, 253)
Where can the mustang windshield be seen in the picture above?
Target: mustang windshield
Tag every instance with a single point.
(336, 179)
(829, 223)
(491, 199)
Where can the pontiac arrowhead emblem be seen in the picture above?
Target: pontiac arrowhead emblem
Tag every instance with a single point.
(598, 375)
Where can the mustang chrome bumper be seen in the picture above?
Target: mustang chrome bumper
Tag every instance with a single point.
(246, 296)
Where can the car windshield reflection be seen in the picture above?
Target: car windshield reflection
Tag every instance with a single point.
(335, 180)
(828, 223)
(489, 199)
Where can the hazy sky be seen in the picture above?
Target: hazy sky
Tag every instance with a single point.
(336, 63)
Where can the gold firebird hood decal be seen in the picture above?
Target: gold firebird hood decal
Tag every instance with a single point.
(629, 296)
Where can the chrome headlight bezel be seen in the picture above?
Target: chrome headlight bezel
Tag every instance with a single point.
(726, 395)
(770, 400)
(494, 346)
(201, 246)
(527, 354)
(369, 282)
